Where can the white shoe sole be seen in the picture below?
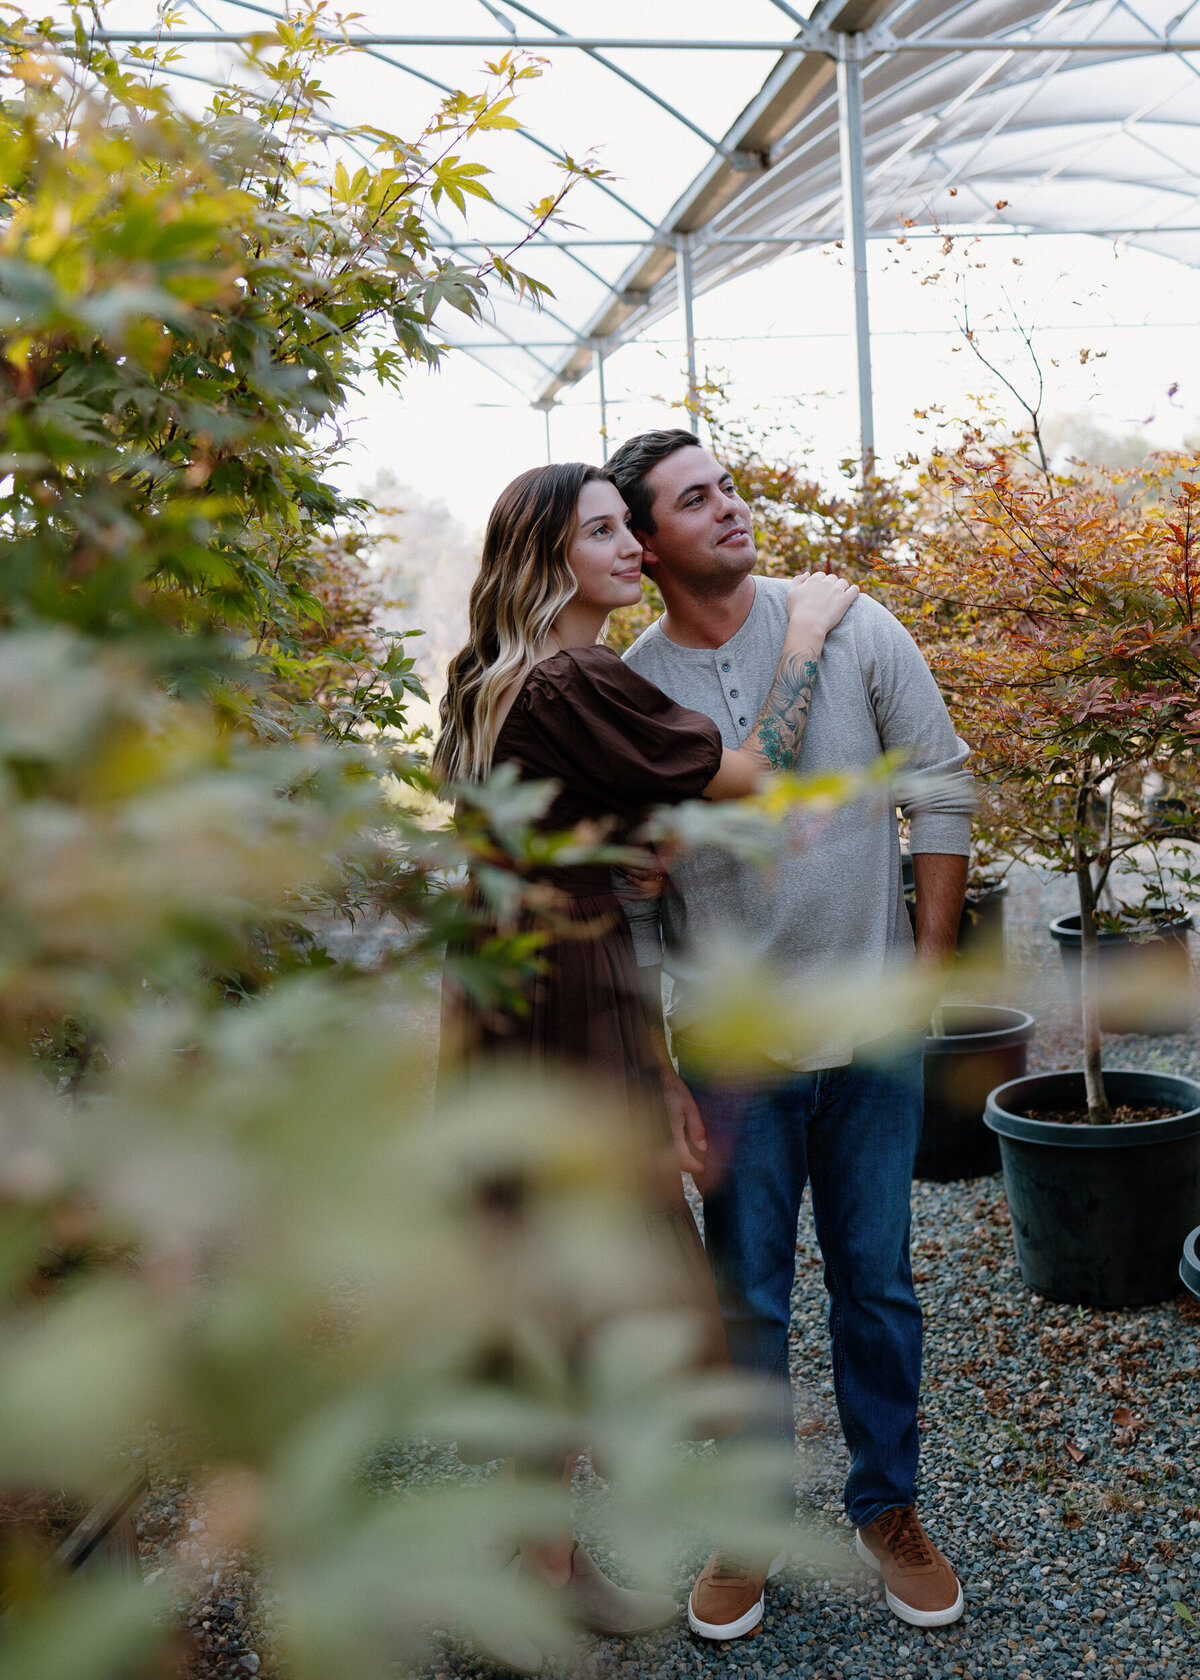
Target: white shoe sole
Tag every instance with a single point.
(745, 1624)
(906, 1613)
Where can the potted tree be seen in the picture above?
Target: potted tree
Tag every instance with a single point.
(1063, 629)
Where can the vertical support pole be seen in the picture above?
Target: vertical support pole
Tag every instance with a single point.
(683, 278)
(598, 354)
(854, 222)
(545, 408)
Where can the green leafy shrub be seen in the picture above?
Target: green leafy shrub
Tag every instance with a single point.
(276, 1260)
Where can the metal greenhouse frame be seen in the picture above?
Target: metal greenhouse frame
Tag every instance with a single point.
(865, 100)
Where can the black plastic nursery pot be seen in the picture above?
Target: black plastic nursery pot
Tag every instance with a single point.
(108, 1533)
(1168, 816)
(1189, 1266)
(54, 1533)
(1099, 1213)
(981, 925)
(980, 1046)
(1145, 985)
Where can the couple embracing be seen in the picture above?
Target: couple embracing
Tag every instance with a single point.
(741, 677)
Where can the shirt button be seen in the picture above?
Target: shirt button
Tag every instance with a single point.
(742, 721)
(733, 693)
(726, 666)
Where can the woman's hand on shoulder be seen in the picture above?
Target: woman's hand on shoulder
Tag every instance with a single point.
(819, 600)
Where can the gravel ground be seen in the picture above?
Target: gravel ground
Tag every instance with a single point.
(1060, 1462)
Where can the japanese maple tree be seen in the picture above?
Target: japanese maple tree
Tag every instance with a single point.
(1059, 615)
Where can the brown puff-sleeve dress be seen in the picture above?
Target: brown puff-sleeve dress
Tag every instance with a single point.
(617, 746)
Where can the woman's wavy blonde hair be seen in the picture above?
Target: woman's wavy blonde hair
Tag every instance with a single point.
(524, 582)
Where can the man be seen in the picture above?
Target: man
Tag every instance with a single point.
(849, 1119)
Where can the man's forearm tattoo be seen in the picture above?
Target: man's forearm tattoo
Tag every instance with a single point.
(780, 726)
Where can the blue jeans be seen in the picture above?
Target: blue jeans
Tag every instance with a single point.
(852, 1132)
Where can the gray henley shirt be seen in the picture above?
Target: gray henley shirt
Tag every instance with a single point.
(839, 903)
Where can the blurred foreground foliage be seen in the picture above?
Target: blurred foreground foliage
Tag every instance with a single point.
(227, 1222)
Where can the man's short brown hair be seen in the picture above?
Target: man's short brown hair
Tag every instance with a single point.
(630, 466)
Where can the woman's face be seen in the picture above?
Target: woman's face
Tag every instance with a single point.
(604, 555)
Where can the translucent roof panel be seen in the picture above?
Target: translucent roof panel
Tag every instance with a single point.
(1104, 141)
(722, 129)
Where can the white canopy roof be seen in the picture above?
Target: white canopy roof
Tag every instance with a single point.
(980, 117)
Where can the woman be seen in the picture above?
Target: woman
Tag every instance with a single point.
(534, 688)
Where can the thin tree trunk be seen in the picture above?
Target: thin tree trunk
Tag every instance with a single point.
(1099, 1111)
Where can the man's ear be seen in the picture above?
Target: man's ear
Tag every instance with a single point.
(649, 558)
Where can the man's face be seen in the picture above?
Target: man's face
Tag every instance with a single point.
(702, 533)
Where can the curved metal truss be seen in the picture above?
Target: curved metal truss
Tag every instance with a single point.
(874, 119)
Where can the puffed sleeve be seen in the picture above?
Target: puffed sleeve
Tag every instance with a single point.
(593, 724)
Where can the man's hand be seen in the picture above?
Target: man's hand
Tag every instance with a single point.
(687, 1128)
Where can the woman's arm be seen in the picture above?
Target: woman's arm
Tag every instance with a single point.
(816, 602)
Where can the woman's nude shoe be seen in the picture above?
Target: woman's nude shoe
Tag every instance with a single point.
(603, 1606)
(510, 1650)
(507, 1646)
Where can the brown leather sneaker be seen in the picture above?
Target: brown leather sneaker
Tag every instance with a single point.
(919, 1585)
(727, 1600)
